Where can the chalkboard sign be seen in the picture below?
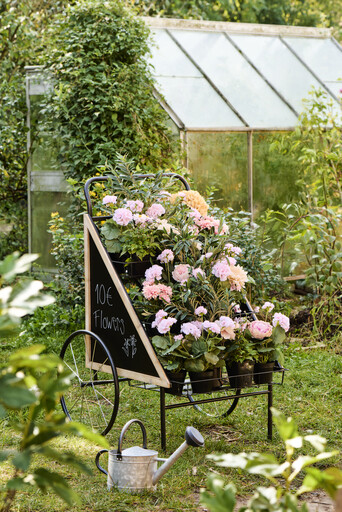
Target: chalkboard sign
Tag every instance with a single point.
(111, 315)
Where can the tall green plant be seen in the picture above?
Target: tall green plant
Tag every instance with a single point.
(309, 232)
(23, 39)
(30, 386)
(103, 100)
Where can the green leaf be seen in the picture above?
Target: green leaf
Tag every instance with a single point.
(199, 347)
(219, 497)
(58, 484)
(317, 442)
(286, 427)
(110, 230)
(22, 460)
(160, 342)
(13, 396)
(114, 246)
(20, 484)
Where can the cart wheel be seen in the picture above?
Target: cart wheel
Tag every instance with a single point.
(93, 397)
(214, 409)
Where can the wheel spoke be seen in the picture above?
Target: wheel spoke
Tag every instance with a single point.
(93, 396)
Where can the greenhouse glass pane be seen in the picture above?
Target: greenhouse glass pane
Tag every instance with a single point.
(42, 205)
(196, 103)
(321, 55)
(220, 160)
(168, 59)
(46, 144)
(189, 95)
(247, 92)
(274, 174)
(274, 60)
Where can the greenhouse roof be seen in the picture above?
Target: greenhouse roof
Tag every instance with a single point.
(220, 76)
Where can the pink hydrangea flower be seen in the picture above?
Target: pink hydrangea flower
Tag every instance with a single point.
(221, 270)
(141, 219)
(165, 325)
(178, 337)
(195, 214)
(165, 292)
(154, 272)
(166, 256)
(155, 210)
(207, 223)
(282, 320)
(224, 230)
(122, 216)
(198, 272)
(155, 291)
(212, 327)
(135, 206)
(231, 260)
(159, 316)
(236, 308)
(191, 328)
(268, 306)
(260, 329)
(201, 311)
(181, 273)
(227, 327)
(109, 199)
(233, 249)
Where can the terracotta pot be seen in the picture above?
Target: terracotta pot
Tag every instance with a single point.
(263, 372)
(240, 375)
(177, 381)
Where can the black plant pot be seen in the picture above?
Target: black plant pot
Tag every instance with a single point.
(263, 372)
(203, 382)
(218, 381)
(240, 375)
(177, 382)
(135, 267)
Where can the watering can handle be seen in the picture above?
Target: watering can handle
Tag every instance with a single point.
(124, 430)
(97, 461)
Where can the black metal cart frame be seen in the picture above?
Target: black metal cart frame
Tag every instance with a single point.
(99, 366)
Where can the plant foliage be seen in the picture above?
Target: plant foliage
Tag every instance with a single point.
(282, 496)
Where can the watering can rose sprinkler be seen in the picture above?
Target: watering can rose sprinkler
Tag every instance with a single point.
(135, 469)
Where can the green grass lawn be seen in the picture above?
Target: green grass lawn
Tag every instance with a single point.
(312, 394)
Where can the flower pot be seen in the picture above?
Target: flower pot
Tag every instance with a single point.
(177, 381)
(218, 381)
(133, 268)
(240, 375)
(202, 382)
(263, 372)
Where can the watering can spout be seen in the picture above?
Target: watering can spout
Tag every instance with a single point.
(192, 438)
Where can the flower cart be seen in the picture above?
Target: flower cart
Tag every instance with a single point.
(165, 306)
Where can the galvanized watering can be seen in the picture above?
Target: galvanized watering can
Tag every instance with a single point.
(135, 469)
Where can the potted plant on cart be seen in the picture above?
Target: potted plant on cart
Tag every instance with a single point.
(190, 275)
(194, 282)
(137, 214)
(197, 351)
(240, 361)
(268, 339)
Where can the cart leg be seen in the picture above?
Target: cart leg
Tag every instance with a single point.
(162, 419)
(269, 412)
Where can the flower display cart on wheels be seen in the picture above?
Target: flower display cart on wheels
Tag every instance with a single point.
(155, 315)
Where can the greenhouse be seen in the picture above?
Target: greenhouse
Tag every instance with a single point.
(228, 89)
